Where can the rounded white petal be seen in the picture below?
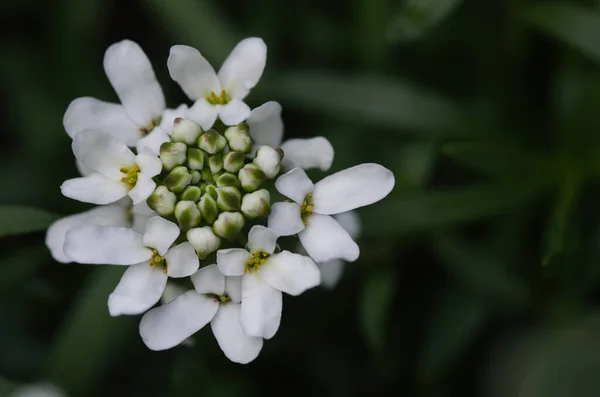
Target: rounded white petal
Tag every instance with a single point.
(331, 272)
(266, 126)
(130, 73)
(262, 239)
(109, 215)
(209, 280)
(102, 153)
(233, 288)
(307, 153)
(169, 116)
(171, 292)
(232, 261)
(285, 219)
(160, 234)
(290, 273)
(234, 112)
(182, 260)
(192, 72)
(324, 239)
(143, 188)
(243, 67)
(90, 113)
(83, 169)
(294, 184)
(203, 113)
(95, 189)
(350, 222)
(153, 141)
(100, 245)
(167, 326)
(352, 188)
(261, 307)
(141, 215)
(150, 165)
(140, 288)
(236, 345)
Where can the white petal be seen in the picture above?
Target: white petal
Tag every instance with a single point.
(182, 260)
(109, 215)
(243, 67)
(290, 273)
(307, 153)
(171, 292)
(130, 73)
(153, 141)
(99, 245)
(234, 112)
(85, 113)
(192, 72)
(140, 288)
(102, 153)
(266, 126)
(38, 390)
(285, 219)
(209, 280)
(160, 234)
(233, 288)
(295, 184)
(83, 169)
(141, 215)
(331, 272)
(143, 188)
(236, 345)
(95, 189)
(169, 116)
(148, 162)
(350, 222)
(203, 113)
(262, 239)
(167, 326)
(352, 188)
(324, 239)
(261, 307)
(232, 262)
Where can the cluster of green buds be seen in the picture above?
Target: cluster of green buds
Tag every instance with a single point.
(213, 182)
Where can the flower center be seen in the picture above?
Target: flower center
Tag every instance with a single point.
(221, 299)
(256, 261)
(147, 129)
(157, 260)
(306, 209)
(131, 176)
(215, 99)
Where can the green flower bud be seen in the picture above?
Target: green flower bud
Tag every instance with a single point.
(195, 159)
(177, 179)
(185, 131)
(207, 175)
(211, 190)
(228, 225)
(172, 154)
(251, 177)
(238, 138)
(229, 199)
(196, 176)
(187, 214)
(208, 208)
(215, 162)
(191, 193)
(211, 142)
(228, 179)
(268, 159)
(203, 240)
(162, 201)
(256, 204)
(234, 161)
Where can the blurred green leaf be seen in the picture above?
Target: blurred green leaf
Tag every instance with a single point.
(16, 219)
(574, 25)
(417, 17)
(20, 263)
(376, 299)
(413, 164)
(6, 387)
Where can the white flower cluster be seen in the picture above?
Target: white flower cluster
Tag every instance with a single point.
(183, 192)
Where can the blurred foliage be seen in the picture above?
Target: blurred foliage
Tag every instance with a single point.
(479, 274)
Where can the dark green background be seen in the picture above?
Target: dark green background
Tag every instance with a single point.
(479, 274)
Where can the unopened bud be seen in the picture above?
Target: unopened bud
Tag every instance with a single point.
(192, 193)
(208, 208)
(196, 176)
(203, 240)
(228, 225)
(162, 201)
(211, 190)
(234, 161)
(228, 179)
(177, 179)
(228, 199)
(256, 204)
(215, 162)
(207, 176)
(195, 159)
(268, 159)
(211, 142)
(251, 177)
(238, 138)
(185, 131)
(187, 214)
(172, 154)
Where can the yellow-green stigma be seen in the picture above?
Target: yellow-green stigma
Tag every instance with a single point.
(215, 99)
(147, 129)
(131, 176)
(157, 260)
(254, 263)
(222, 299)
(306, 209)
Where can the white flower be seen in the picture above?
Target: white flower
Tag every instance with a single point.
(331, 271)
(142, 112)
(215, 299)
(140, 215)
(38, 390)
(118, 172)
(149, 254)
(265, 276)
(308, 215)
(266, 128)
(219, 95)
